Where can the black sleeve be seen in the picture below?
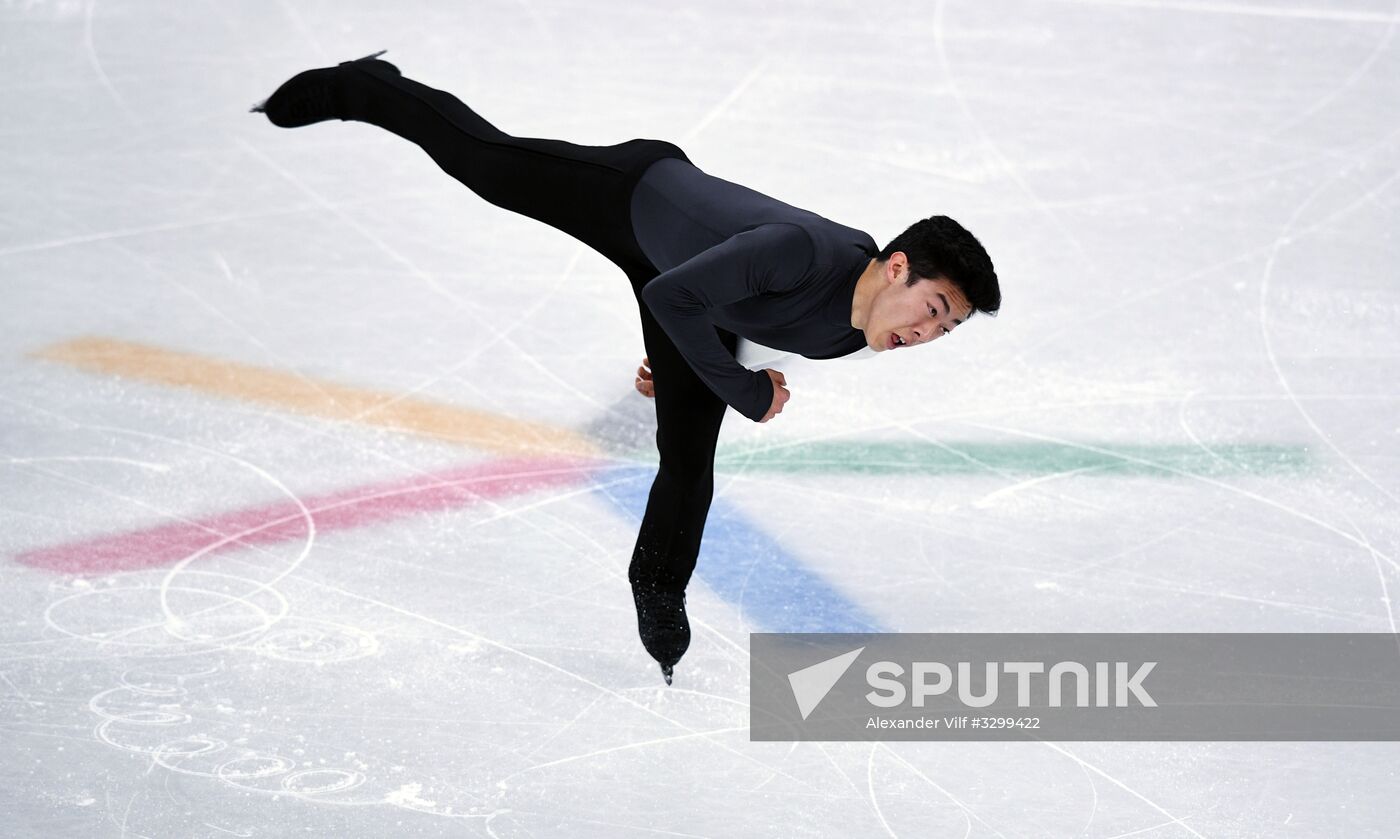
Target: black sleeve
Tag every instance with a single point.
(769, 258)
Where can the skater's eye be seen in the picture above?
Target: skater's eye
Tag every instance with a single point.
(956, 321)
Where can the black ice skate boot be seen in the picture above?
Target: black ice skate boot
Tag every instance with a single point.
(662, 623)
(316, 95)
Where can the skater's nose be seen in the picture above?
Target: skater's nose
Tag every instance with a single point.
(931, 331)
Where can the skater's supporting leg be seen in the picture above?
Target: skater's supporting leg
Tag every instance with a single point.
(688, 418)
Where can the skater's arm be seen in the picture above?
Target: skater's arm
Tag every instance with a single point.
(767, 259)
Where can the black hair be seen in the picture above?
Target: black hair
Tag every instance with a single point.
(940, 247)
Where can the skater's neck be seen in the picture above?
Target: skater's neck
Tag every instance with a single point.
(869, 283)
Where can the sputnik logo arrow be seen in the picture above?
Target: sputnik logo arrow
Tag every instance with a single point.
(810, 685)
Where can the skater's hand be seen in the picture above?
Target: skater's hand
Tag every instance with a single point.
(780, 394)
(644, 385)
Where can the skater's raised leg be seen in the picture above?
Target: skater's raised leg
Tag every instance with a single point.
(584, 191)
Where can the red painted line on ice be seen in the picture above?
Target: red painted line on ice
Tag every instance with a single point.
(286, 520)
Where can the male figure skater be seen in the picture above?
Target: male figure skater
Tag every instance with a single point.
(708, 261)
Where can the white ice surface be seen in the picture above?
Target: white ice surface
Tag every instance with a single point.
(1192, 207)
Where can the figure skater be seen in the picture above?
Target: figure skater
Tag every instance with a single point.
(709, 261)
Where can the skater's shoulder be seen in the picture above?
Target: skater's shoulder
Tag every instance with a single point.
(832, 243)
(787, 235)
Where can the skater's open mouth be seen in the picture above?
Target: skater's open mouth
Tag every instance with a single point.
(895, 341)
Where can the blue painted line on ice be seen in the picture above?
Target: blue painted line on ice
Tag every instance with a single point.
(770, 586)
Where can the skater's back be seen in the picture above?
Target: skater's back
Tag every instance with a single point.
(679, 210)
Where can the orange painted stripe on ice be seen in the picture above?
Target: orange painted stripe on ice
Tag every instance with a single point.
(328, 400)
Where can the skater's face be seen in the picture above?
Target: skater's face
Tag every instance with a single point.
(904, 316)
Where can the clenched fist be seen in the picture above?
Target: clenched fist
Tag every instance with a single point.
(644, 385)
(780, 394)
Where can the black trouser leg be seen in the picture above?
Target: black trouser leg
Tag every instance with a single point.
(688, 417)
(584, 191)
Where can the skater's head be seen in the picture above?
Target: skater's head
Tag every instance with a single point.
(925, 283)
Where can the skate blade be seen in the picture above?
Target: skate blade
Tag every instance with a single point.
(667, 670)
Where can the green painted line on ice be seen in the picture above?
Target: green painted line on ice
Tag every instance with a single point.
(1020, 458)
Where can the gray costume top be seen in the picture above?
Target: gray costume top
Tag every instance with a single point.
(733, 258)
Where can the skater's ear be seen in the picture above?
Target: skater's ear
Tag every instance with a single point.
(896, 268)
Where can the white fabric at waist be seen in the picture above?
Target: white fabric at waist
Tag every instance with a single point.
(757, 356)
